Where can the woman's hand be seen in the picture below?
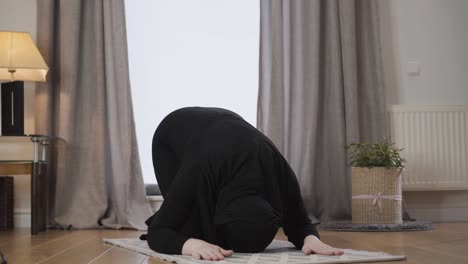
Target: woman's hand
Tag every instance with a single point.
(313, 245)
(200, 249)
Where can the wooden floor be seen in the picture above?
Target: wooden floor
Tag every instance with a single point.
(447, 244)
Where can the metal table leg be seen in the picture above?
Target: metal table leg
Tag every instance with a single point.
(43, 180)
(34, 188)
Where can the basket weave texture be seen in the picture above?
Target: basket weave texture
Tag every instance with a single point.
(376, 195)
(6, 203)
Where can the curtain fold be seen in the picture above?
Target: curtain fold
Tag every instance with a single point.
(321, 87)
(95, 178)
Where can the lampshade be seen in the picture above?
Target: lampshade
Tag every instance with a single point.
(20, 60)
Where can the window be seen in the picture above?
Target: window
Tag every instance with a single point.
(190, 53)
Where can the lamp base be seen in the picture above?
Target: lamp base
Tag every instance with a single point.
(12, 98)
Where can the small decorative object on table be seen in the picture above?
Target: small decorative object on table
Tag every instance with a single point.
(6, 203)
(376, 183)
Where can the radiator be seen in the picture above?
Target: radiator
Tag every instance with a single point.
(435, 142)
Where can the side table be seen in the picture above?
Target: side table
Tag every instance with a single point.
(37, 168)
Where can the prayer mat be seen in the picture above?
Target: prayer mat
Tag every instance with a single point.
(278, 251)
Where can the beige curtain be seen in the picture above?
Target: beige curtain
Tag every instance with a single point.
(96, 177)
(321, 87)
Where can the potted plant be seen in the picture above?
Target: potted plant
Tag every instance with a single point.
(376, 180)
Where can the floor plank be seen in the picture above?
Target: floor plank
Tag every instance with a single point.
(419, 256)
(452, 248)
(50, 247)
(448, 243)
(85, 252)
(118, 255)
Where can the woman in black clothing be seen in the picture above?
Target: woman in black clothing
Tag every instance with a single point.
(226, 188)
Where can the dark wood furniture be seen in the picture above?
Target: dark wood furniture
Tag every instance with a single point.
(37, 168)
(6, 202)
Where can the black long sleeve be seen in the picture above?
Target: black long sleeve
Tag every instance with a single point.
(297, 224)
(164, 231)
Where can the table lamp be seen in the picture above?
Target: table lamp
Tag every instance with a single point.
(20, 60)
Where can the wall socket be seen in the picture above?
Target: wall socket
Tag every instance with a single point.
(413, 68)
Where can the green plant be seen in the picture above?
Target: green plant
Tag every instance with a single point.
(382, 154)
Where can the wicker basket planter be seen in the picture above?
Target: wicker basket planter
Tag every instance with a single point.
(376, 195)
(6, 203)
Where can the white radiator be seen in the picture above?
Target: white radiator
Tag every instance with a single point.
(435, 142)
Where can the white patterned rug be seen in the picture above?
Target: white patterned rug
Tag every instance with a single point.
(277, 252)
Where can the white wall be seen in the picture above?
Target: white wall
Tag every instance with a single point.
(190, 53)
(20, 15)
(433, 33)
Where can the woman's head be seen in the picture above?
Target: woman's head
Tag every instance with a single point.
(247, 224)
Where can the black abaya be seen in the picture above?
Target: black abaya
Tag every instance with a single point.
(224, 182)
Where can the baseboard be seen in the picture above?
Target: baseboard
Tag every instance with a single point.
(155, 202)
(459, 214)
(437, 206)
(22, 217)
